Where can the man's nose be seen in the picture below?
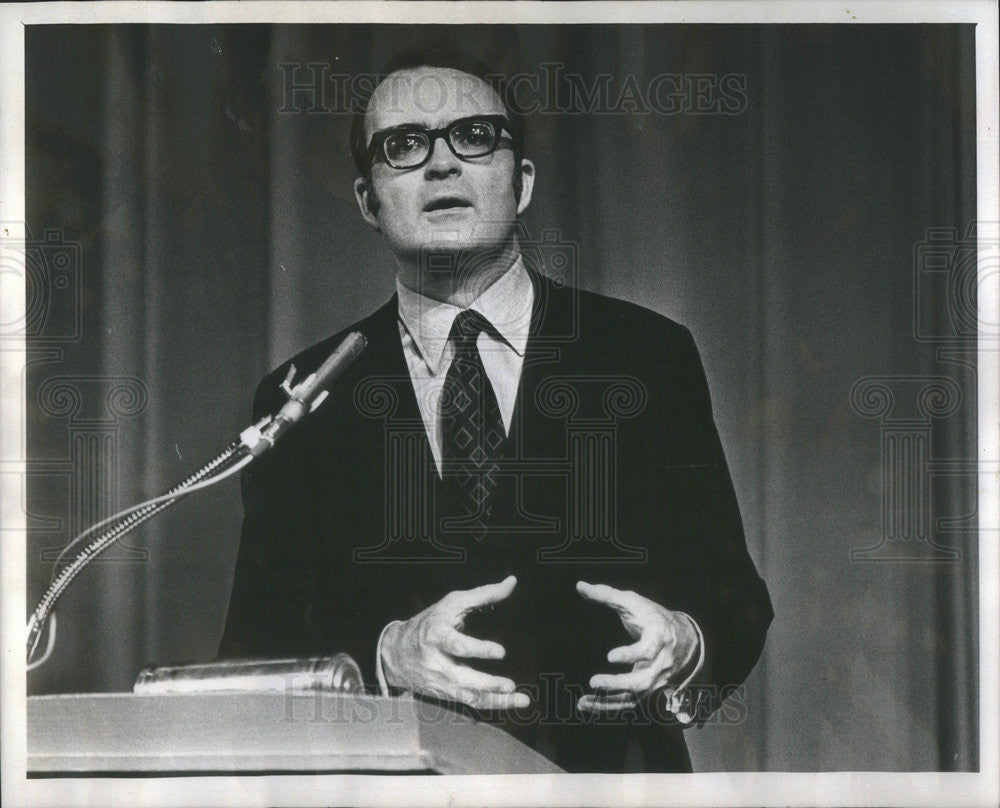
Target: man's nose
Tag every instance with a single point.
(442, 160)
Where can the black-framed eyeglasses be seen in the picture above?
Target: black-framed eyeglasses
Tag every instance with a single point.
(410, 146)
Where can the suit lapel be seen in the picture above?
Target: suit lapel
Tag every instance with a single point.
(377, 395)
(537, 437)
(550, 325)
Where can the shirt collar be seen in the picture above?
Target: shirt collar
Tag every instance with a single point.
(506, 304)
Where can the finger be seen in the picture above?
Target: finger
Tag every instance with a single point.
(462, 645)
(594, 703)
(499, 701)
(622, 602)
(636, 681)
(466, 678)
(610, 699)
(602, 593)
(465, 600)
(641, 651)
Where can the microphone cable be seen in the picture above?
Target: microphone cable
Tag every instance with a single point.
(304, 398)
(224, 465)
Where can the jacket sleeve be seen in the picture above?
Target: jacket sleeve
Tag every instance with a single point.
(717, 583)
(267, 596)
(296, 592)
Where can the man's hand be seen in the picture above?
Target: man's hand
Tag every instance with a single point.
(665, 642)
(420, 654)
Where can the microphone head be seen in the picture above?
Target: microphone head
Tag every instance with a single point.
(308, 395)
(335, 364)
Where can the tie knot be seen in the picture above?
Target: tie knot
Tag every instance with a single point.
(467, 327)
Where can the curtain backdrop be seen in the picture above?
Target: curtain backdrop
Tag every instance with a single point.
(198, 178)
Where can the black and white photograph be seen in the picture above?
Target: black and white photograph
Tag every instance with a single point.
(499, 404)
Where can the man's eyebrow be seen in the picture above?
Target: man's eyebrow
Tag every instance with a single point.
(442, 125)
(407, 125)
(397, 126)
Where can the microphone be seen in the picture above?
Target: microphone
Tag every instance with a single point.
(254, 441)
(305, 396)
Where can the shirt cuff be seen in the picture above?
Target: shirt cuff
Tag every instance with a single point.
(383, 686)
(679, 700)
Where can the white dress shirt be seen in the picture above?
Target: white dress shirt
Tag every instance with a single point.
(424, 326)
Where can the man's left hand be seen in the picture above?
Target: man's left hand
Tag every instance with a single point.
(665, 642)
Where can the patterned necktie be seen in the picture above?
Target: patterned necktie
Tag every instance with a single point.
(471, 427)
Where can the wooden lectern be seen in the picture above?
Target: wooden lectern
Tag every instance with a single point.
(105, 734)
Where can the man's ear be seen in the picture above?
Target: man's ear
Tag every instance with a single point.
(367, 202)
(527, 183)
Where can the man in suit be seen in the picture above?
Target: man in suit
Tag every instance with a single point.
(515, 501)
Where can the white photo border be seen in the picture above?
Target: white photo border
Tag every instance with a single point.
(843, 788)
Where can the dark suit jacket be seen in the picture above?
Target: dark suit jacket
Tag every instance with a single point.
(612, 472)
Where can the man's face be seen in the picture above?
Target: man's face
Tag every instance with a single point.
(448, 203)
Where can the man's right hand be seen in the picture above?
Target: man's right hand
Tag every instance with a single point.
(421, 654)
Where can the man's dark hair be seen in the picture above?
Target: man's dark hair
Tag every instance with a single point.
(437, 57)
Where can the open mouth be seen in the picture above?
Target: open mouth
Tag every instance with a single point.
(447, 203)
